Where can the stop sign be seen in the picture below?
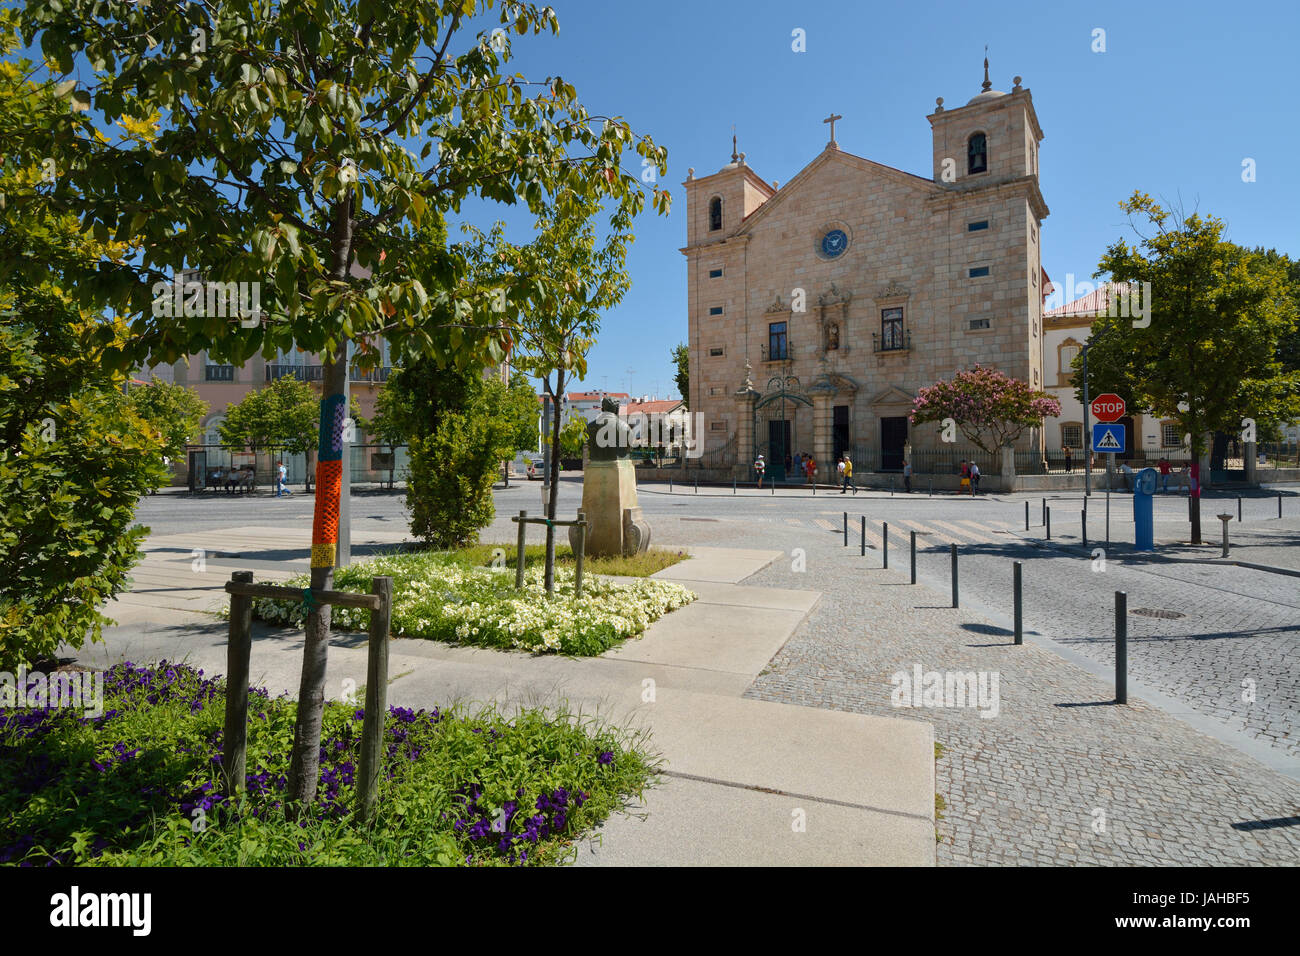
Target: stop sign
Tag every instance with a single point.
(1107, 408)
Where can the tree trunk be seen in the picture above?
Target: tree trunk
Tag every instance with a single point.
(555, 480)
(304, 765)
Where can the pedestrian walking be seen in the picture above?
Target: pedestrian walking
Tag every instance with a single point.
(282, 480)
(810, 467)
(1069, 462)
(1165, 469)
(760, 466)
(848, 475)
(974, 479)
(907, 477)
(965, 477)
(839, 469)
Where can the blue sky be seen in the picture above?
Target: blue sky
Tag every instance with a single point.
(1183, 93)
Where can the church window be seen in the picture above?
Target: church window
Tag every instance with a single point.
(977, 160)
(977, 226)
(715, 213)
(891, 329)
(717, 352)
(981, 323)
(718, 426)
(776, 342)
(979, 272)
(1068, 354)
(715, 273)
(715, 310)
(1169, 437)
(1071, 435)
(832, 337)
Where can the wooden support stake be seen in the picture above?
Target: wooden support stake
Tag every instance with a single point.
(582, 552)
(519, 555)
(372, 729)
(234, 746)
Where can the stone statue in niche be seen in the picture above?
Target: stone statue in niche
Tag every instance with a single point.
(832, 337)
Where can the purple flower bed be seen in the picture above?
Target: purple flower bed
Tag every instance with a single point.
(105, 782)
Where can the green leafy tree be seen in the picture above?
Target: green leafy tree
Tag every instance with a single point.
(459, 427)
(282, 417)
(74, 456)
(682, 362)
(388, 425)
(303, 146)
(990, 408)
(573, 437)
(523, 412)
(553, 339)
(175, 410)
(1208, 353)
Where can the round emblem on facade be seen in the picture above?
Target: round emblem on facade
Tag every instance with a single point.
(834, 243)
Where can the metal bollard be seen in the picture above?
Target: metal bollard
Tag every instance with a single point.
(1016, 568)
(1026, 514)
(884, 543)
(913, 557)
(733, 484)
(931, 487)
(1279, 506)
(1083, 521)
(954, 574)
(1047, 520)
(697, 486)
(864, 536)
(1044, 521)
(670, 484)
(1238, 509)
(891, 486)
(1225, 519)
(1121, 647)
(846, 529)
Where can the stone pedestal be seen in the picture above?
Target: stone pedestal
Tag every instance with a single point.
(615, 525)
(1251, 462)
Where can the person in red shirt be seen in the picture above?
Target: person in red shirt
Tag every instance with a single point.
(1164, 475)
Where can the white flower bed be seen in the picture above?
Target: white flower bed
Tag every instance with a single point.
(435, 598)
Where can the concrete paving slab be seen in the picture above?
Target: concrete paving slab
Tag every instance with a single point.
(720, 826)
(729, 565)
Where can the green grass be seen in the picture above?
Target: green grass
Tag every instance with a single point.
(138, 786)
(637, 566)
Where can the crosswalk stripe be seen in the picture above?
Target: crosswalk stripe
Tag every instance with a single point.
(962, 531)
(931, 533)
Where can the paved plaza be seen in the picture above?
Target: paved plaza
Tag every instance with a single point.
(1202, 765)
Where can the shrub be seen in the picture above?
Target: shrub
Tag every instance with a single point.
(74, 460)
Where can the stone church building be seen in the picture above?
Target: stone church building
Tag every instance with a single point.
(818, 309)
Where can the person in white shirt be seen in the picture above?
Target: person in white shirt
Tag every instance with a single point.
(760, 466)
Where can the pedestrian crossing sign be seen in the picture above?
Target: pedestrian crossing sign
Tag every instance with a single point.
(1109, 438)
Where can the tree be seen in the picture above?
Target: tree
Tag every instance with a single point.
(682, 360)
(454, 465)
(990, 408)
(282, 416)
(573, 437)
(1207, 352)
(286, 155)
(175, 410)
(458, 426)
(75, 458)
(387, 426)
(553, 339)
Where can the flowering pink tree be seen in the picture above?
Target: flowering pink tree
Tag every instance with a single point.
(991, 409)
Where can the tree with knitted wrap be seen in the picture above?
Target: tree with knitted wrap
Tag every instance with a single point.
(307, 147)
(990, 408)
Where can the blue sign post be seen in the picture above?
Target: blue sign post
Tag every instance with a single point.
(1144, 489)
(1109, 438)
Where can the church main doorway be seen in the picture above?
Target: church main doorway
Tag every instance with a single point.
(778, 447)
(893, 436)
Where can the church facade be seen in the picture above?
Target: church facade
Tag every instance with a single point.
(818, 309)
